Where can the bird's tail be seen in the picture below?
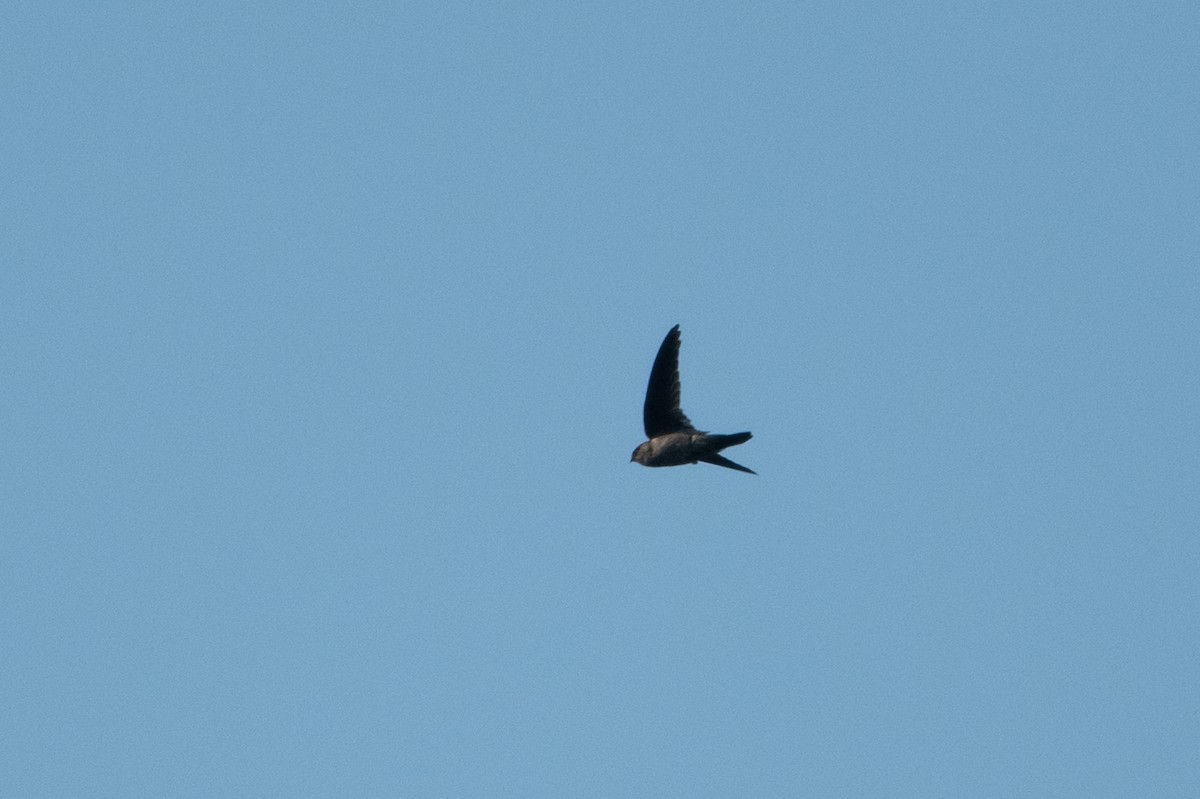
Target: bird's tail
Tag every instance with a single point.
(731, 440)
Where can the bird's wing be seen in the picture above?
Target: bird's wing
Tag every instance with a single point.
(720, 460)
(661, 414)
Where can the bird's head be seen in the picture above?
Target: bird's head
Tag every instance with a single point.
(641, 453)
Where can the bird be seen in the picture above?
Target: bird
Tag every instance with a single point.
(671, 438)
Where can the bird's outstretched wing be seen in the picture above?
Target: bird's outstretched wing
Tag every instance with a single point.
(661, 414)
(720, 460)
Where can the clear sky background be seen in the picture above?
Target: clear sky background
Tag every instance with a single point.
(325, 332)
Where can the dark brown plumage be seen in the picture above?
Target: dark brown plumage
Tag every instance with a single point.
(671, 438)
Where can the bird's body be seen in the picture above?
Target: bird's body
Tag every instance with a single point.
(672, 440)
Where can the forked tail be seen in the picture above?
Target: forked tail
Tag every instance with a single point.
(731, 440)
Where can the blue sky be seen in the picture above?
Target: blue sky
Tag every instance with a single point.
(326, 332)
